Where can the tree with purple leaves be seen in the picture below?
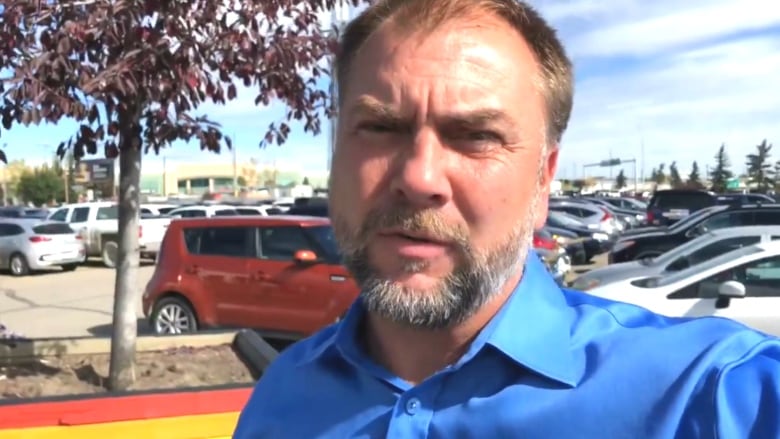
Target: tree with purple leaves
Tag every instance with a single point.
(133, 73)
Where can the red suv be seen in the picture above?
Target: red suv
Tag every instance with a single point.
(275, 273)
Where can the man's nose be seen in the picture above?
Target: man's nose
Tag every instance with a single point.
(420, 175)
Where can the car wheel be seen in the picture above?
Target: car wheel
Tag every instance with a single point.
(18, 265)
(109, 253)
(69, 267)
(173, 315)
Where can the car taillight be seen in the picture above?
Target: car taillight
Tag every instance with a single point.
(607, 215)
(650, 217)
(37, 238)
(541, 242)
(78, 236)
(140, 231)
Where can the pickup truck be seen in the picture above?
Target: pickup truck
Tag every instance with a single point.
(98, 225)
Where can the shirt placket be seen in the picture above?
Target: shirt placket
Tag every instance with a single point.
(414, 410)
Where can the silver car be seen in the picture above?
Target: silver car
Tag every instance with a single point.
(693, 252)
(33, 244)
(595, 217)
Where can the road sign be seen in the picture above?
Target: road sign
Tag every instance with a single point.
(733, 183)
(611, 162)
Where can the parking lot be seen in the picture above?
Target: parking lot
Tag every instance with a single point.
(55, 304)
(79, 303)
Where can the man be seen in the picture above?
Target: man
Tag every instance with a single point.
(451, 115)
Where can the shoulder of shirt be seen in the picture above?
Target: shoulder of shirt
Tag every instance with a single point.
(738, 341)
(307, 348)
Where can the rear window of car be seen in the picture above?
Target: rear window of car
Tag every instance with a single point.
(682, 200)
(226, 212)
(52, 229)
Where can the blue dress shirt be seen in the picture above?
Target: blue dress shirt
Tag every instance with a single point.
(552, 364)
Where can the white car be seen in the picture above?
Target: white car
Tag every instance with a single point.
(205, 210)
(743, 285)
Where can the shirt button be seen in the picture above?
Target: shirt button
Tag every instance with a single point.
(412, 406)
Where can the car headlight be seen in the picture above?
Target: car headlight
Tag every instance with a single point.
(585, 284)
(600, 236)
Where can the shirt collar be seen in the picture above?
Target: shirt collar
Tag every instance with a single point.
(532, 329)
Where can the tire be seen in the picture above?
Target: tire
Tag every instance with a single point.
(109, 253)
(173, 315)
(18, 265)
(70, 267)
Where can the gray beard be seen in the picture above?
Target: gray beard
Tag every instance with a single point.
(472, 284)
(452, 301)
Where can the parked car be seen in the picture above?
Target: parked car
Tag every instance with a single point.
(274, 273)
(596, 242)
(595, 217)
(98, 225)
(203, 211)
(23, 212)
(30, 244)
(630, 217)
(744, 199)
(152, 209)
(743, 285)
(626, 203)
(703, 248)
(669, 206)
(570, 241)
(553, 255)
(652, 244)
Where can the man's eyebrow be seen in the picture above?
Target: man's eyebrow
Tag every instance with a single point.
(477, 118)
(373, 108)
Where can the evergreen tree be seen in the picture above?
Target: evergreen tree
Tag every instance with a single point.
(721, 172)
(674, 177)
(759, 167)
(694, 179)
(620, 180)
(660, 174)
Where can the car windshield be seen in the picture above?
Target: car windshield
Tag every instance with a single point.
(704, 266)
(679, 251)
(694, 218)
(562, 220)
(325, 238)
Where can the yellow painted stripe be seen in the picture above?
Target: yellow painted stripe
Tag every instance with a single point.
(212, 426)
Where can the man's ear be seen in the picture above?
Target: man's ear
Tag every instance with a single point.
(550, 167)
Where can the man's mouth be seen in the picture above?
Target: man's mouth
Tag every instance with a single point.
(421, 238)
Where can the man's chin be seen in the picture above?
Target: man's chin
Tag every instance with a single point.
(418, 281)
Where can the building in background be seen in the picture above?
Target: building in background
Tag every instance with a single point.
(203, 178)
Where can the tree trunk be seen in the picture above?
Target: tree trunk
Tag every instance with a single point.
(124, 332)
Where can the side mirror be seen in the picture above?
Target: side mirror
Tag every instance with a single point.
(731, 289)
(305, 257)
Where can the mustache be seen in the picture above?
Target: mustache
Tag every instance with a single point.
(412, 220)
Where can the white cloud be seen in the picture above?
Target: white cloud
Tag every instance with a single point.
(680, 77)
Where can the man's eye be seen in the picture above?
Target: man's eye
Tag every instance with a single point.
(483, 136)
(376, 127)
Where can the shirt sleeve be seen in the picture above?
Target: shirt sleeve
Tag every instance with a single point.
(747, 395)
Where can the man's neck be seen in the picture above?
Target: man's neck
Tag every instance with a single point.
(415, 354)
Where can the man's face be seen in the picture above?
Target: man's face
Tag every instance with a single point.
(439, 174)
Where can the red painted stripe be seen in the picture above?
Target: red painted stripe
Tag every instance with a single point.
(97, 410)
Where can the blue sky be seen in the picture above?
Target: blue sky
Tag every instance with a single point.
(679, 77)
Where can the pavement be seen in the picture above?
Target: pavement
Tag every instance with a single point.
(58, 304)
(80, 303)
